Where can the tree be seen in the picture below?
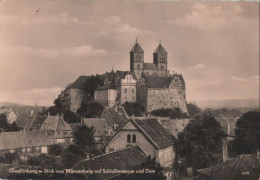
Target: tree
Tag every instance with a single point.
(5, 126)
(193, 109)
(175, 113)
(150, 164)
(92, 84)
(55, 150)
(83, 136)
(70, 159)
(134, 109)
(247, 134)
(90, 110)
(201, 142)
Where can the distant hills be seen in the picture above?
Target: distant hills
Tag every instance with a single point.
(8, 104)
(233, 103)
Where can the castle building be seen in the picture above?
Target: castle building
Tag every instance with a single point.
(150, 84)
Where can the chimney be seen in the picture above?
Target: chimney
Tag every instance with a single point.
(116, 108)
(224, 149)
(228, 129)
(31, 112)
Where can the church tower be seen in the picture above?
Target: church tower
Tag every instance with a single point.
(137, 60)
(160, 60)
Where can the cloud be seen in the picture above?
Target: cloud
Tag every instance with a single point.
(84, 50)
(206, 17)
(252, 79)
(38, 19)
(43, 96)
(198, 67)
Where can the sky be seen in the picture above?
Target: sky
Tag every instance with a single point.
(47, 44)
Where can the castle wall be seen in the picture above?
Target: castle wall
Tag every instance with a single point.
(75, 98)
(165, 98)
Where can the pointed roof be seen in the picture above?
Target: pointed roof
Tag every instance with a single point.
(55, 123)
(137, 48)
(160, 49)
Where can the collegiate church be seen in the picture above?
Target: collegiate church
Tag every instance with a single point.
(139, 67)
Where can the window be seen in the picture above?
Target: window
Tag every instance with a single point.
(138, 57)
(133, 91)
(162, 68)
(65, 133)
(125, 90)
(138, 66)
(115, 126)
(134, 138)
(128, 138)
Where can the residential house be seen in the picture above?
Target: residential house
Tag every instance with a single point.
(62, 130)
(121, 160)
(101, 128)
(243, 167)
(25, 143)
(115, 116)
(11, 117)
(149, 135)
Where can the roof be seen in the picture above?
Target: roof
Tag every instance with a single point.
(124, 159)
(115, 115)
(74, 126)
(155, 131)
(55, 123)
(21, 139)
(122, 74)
(23, 118)
(100, 125)
(235, 167)
(107, 86)
(150, 66)
(160, 49)
(80, 82)
(36, 123)
(157, 82)
(137, 48)
(174, 126)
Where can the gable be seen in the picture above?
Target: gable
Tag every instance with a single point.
(129, 126)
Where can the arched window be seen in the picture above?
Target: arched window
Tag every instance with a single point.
(134, 138)
(138, 66)
(162, 68)
(128, 138)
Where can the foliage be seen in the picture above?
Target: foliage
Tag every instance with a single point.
(43, 160)
(83, 136)
(57, 102)
(5, 126)
(92, 84)
(150, 164)
(230, 113)
(70, 159)
(75, 149)
(247, 134)
(55, 150)
(134, 109)
(8, 158)
(175, 113)
(90, 110)
(193, 109)
(200, 142)
(69, 116)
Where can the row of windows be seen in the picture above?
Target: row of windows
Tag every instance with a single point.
(131, 139)
(125, 90)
